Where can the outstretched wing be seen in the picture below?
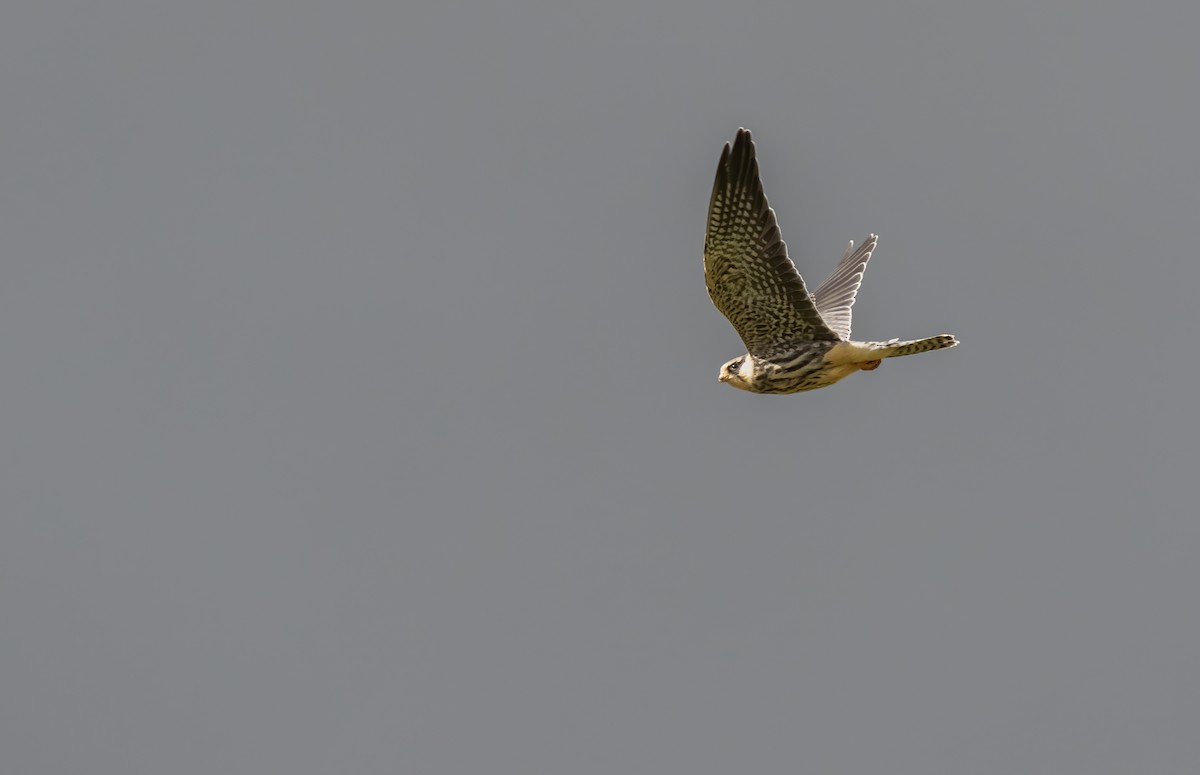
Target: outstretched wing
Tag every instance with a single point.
(835, 297)
(746, 266)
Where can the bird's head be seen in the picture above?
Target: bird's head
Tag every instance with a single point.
(738, 373)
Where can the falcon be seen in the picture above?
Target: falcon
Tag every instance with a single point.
(795, 340)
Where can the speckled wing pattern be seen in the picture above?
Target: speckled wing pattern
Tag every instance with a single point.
(746, 266)
(835, 296)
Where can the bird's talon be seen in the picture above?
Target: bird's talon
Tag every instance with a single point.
(871, 365)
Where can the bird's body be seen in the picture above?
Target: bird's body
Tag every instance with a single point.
(795, 340)
(819, 364)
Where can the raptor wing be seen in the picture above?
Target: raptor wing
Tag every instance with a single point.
(746, 266)
(835, 296)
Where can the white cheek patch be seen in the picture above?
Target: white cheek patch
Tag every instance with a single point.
(746, 370)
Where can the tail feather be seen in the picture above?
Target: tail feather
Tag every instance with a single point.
(896, 348)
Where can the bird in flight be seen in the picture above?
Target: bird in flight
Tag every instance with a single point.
(795, 340)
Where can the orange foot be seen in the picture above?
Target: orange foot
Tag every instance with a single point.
(870, 365)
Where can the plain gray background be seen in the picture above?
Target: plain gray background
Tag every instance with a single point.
(359, 411)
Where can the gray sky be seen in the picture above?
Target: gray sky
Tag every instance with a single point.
(359, 407)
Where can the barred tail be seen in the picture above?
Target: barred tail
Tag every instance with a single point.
(895, 348)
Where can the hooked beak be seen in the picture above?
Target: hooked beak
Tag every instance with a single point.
(723, 378)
